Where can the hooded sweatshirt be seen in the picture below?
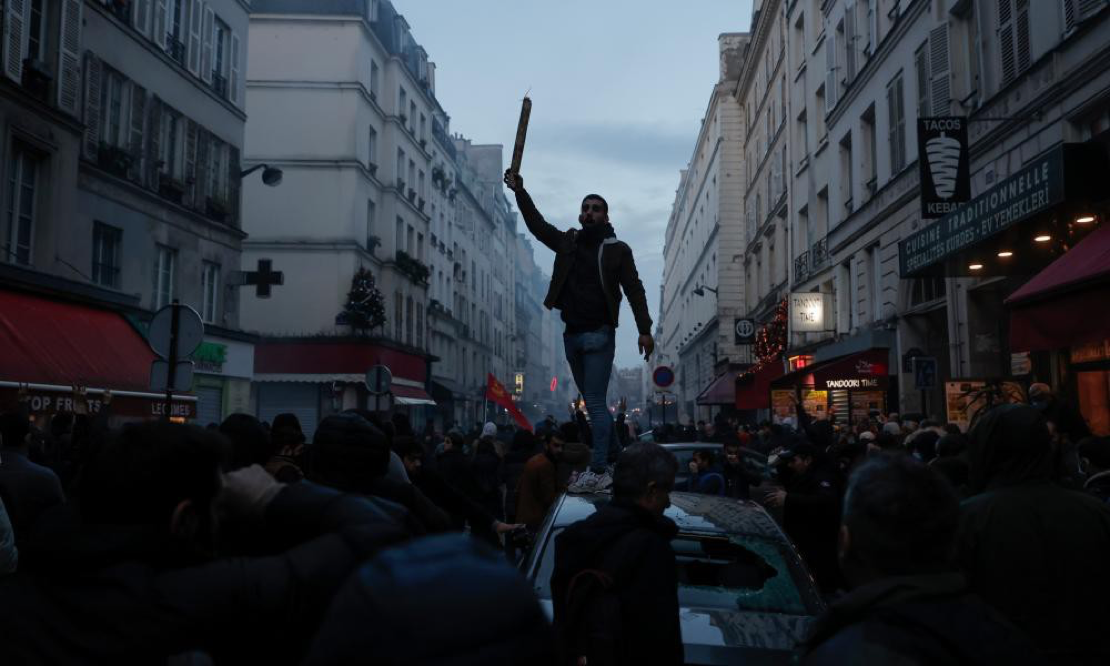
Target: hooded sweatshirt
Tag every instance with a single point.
(1033, 550)
(634, 547)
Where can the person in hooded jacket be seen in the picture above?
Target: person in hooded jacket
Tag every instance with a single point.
(1035, 551)
(623, 553)
(908, 604)
(488, 471)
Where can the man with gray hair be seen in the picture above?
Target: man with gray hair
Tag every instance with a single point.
(615, 583)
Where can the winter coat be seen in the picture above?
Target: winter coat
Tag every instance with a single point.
(1035, 551)
(710, 482)
(618, 268)
(740, 480)
(488, 475)
(811, 517)
(632, 546)
(537, 490)
(914, 620)
(513, 467)
(443, 600)
(117, 596)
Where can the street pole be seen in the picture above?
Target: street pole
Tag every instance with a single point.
(171, 371)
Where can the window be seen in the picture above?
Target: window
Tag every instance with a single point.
(420, 246)
(23, 172)
(111, 104)
(853, 295)
(399, 236)
(217, 169)
(847, 189)
(402, 101)
(799, 50)
(925, 290)
(420, 184)
(1013, 38)
(165, 275)
(420, 325)
(869, 151)
(412, 117)
(372, 148)
(221, 40)
(106, 251)
(412, 174)
(423, 127)
(167, 142)
(210, 285)
(175, 20)
(410, 246)
(400, 168)
(375, 75)
(36, 33)
(897, 128)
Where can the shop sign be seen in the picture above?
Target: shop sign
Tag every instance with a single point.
(811, 312)
(745, 332)
(518, 382)
(945, 170)
(1095, 351)
(1035, 188)
(210, 357)
(127, 404)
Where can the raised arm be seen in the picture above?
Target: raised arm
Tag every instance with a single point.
(544, 231)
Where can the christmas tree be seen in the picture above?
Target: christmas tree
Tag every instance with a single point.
(770, 342)
(365, 308)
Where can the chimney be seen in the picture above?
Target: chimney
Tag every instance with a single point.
(732, 46)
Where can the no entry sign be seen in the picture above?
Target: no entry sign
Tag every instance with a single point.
(663, 376)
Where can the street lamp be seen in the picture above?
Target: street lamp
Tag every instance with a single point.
(270, 176)
(699, 290)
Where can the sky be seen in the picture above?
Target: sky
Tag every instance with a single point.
(618, 89)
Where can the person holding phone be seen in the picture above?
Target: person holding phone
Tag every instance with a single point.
(591, 269)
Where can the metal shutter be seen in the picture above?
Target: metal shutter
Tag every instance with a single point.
(210, 405)
(297, 398)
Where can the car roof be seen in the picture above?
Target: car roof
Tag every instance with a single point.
(690, 445)
(692, 512)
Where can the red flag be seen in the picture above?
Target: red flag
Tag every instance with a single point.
(496, 393)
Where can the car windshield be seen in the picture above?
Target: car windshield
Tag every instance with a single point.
(735, 572)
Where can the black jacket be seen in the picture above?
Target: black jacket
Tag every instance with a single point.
(914, 620)
(1035, 551)
(740, 480)
(442, 600)
(116, 596)
(618, 267)
(811, 517)
(634, 547)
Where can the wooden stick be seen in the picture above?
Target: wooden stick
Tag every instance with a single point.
(521, 133)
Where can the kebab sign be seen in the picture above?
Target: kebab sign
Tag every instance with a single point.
(943, 160)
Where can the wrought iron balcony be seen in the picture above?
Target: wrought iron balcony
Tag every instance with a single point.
(819, 255)
(801, 267)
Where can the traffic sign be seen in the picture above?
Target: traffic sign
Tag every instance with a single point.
(663, 376)
(190, 331)
(745, 331)
(160, 375)
(379, 380)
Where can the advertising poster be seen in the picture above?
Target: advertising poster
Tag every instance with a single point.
(963, 398)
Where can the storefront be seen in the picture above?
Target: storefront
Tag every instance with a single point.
(753, 391)
(1061, 319)
(223, 368)
(845, 389)
(315, 377)
(52, 346)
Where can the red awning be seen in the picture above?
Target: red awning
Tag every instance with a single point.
(325, 357)
(49, 342)
(721, 391)
(753, 390)
(864, 370)
(410, 395)
(1066, 303)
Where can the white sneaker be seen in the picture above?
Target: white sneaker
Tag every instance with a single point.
(583, 482)
(604, 481)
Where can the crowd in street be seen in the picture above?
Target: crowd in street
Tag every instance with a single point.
(371, 541)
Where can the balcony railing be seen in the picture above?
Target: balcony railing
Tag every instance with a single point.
(801, 267)
(819, 255)
(176, 48)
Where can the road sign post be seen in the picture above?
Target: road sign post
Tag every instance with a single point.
(175, 333)
(379, 380)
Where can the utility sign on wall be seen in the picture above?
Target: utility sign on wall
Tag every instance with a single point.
(942, 152)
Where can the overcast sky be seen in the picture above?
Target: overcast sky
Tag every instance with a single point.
(618, 87)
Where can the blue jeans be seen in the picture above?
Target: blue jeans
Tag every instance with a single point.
(590, 356)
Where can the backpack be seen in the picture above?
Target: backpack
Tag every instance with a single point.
(593, 627)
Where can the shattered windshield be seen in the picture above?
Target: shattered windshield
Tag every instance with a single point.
(731, 573)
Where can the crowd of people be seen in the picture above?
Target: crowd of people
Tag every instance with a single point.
(252, 541)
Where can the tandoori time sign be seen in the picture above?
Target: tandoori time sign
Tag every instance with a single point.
(1035, 188)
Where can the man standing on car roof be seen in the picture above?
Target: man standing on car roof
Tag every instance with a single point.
(591, 268)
